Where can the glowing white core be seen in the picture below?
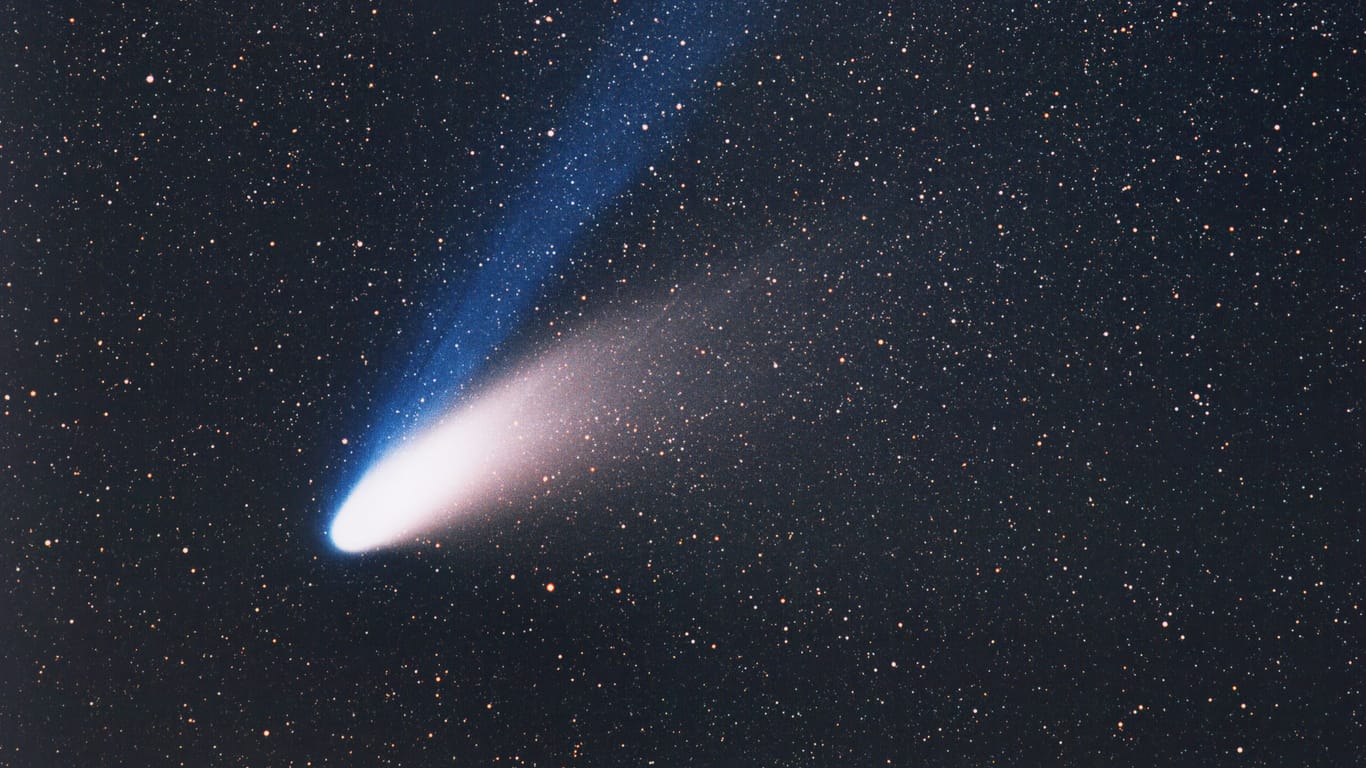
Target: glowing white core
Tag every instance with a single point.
(597, 397)
(470, 457)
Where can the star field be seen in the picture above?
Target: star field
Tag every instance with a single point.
(971, 384)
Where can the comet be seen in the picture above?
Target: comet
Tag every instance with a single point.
(448, 469)
(645, 83)
(446, 444)
(498, 444)
(598, 403)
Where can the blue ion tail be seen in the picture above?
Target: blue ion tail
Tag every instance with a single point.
(648, 78)
(634, 102)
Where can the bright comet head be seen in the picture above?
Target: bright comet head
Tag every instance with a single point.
(557, 414)
(444, 472)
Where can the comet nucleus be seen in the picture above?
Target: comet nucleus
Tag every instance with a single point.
(498, 443)
(430, 478)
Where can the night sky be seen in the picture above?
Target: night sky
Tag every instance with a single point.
(961, 385)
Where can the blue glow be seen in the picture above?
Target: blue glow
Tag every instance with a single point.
(634, 100)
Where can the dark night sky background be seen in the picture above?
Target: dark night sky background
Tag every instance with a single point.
(1061, 462)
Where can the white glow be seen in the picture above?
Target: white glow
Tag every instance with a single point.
(618, 391)
(472, 456)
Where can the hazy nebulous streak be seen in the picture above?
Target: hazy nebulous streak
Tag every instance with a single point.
(609, 395)
(458, 461)
(642, 87)
(496, 444)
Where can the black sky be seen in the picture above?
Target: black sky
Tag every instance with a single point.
(1030, 432)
